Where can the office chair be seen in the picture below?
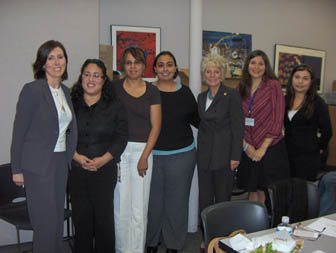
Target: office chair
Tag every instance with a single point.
(327, 190)
(297, 198)
(223, 218)
(13, 204)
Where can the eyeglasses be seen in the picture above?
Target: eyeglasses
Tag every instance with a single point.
(94, 75)
(130, 63)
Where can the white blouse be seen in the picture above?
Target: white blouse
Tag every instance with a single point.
(64, 117)
(291, 114)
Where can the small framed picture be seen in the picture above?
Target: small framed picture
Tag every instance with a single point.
(147, 38)
(287, 57)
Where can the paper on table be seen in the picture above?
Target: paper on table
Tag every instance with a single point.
(239, 242)
(321, 223)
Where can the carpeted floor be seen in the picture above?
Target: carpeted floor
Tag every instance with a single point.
(192, 245)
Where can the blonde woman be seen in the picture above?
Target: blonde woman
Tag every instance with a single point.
(220, 134)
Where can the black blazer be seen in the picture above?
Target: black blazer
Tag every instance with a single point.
(301, 133)
(35, 130)
(221, 130)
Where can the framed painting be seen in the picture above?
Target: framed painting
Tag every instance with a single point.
(233, 46)
(147, 38)
(287, 57)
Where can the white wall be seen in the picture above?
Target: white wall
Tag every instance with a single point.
(304, 23)
(24, 26)
(171, 15)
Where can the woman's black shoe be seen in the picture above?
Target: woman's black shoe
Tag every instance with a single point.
(152, 249)
(171, 251)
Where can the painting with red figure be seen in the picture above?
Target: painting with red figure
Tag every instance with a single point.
(145, 40)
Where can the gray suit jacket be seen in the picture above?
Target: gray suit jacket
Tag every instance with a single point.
(36, 129)
(221, 131)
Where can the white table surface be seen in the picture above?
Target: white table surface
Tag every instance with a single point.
(324, 243)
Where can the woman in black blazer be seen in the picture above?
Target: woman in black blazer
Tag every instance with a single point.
(306, 116)
(220, 134)
(43, 144)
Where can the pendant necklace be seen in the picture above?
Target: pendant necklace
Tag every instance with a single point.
(57, 97)
(210, 96)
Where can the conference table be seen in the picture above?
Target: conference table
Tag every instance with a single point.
(324, 243)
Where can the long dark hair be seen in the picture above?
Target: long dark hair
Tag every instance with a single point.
(108, 93)
(169, 54)
(245, 83)
(42, 56)
(311, 94)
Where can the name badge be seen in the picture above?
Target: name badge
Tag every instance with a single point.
(249, 121)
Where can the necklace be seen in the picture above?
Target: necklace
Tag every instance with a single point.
(58, 99)
(210, 96)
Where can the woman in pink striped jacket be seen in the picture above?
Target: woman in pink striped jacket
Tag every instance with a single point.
(264, 159)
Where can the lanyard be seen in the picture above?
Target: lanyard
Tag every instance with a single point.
(250, 101)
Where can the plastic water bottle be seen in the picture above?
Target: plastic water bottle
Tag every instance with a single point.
(284, 225)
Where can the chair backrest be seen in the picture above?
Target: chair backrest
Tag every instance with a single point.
(297, 198)
(327, 190)
(313, 200)
(223, 218)
(9, 191)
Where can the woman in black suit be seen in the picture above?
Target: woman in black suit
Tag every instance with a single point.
(220, 134)
(102, 137)
(44, 141)
(306, 116)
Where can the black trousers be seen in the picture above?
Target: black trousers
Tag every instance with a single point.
(91, 196)
(304, 165)
(214, 186)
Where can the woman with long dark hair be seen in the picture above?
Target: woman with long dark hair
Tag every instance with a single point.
(306, 116)
(102, 137)
(264, 158)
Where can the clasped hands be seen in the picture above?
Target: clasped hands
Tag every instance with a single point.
(255, 154)
(91, 164)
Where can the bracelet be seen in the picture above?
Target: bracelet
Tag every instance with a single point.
(245, 147)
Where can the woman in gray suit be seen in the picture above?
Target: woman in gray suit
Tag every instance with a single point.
(220, 134)
(43, 144)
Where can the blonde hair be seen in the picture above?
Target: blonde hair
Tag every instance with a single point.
(214, 60)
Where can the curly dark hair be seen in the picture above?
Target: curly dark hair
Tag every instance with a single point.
(42, 56)
(108, 93)
(245, 83)
(311, 94)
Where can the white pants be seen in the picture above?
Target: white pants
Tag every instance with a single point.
(131, 197)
